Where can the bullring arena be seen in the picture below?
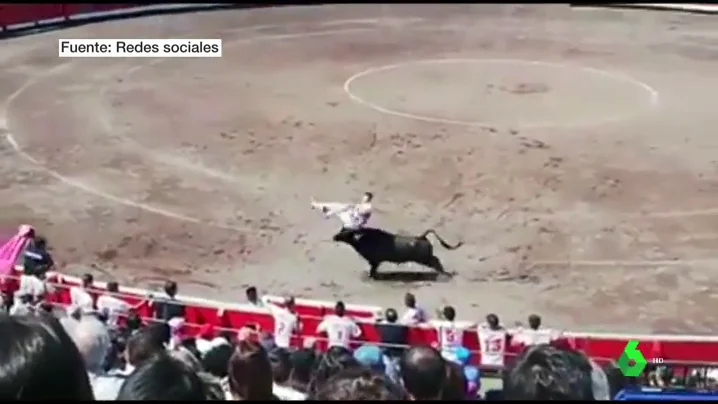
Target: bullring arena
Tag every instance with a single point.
(571, 150)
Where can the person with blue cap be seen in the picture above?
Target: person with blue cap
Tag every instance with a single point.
(370, 356)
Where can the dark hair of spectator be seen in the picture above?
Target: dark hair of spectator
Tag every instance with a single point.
(340, 309)
(358, 384)
(134, 322)
(163, 378)
(161, 332)
(281, 365)
(39, 361)
(616, 380)
(250, 374)
(141, 347)
(332, 362)
(171, 288)
(391, 316)
(534, 321)
(492, 320)
(455, 386)
(423, 372)
(216, 360)
(449, 313)
(303, 363)
(543, 372)
(113, 287)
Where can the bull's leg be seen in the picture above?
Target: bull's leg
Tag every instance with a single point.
(373, 269)
(434, 263)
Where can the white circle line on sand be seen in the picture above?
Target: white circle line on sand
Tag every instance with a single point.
(163, 212)
(653, 95)
(98, 192)
(618, 263)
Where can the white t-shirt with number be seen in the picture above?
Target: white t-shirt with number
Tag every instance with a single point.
(114, 308)
(450, 336)
(340, 330)
(286, 324)
(528, 337)
(493, 345)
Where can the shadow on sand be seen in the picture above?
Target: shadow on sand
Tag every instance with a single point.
(408, 277)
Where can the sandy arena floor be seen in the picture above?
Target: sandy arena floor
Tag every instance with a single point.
(573, 151)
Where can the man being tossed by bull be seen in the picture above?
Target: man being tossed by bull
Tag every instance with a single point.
(353, 216)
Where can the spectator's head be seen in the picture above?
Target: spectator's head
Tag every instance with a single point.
(40, 242)
(410, 300)
(493, 321)
(368, 197)
(250, 373)
(39, 361)
(332, 362)
(543, 372)
(358, 384)
(534, 321)
(171, 288)
(216, 360)
(92, 339)
(616, 380)
(303, 362)
(87, 280)
(185, 356)
(133, 322)
(252, 294)
(340, 309)
(161, 332)
(423, 372)
(391, 316)
(449, 313)
(281, 364)
(141, 347)
(163, 378)
(113, 287)
(289, 303)
(370, 356)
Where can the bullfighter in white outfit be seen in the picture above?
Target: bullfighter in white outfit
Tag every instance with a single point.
(353, 216)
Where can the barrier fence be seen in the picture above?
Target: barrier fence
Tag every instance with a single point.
(687, 350)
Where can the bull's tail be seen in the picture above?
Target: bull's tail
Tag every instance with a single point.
(441, 240)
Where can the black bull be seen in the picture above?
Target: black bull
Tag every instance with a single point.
(377, 246)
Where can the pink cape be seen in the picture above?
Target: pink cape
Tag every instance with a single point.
(11, 250)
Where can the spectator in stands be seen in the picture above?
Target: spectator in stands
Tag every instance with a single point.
(423, 373)
(141, 346)
(163, 378)
(535, 334)
(281, 364)
(204, 339)
(493, 339)
(336, 359)
(132, 324)
(250, 373)
(413, 314)
(456, 385)
(36, 258)
(216, 360)
(93, 341)
(450, 333)
(339, 328)
(32, 284)
(39, 361)
(169, 307)
(543, 372)
(394, 337)
(303, 363)
(616, 380)
(23, 306)
(357, 384)
(112, 306)
(80, 296)
(253, 297)
(7, 300)
(286, 322)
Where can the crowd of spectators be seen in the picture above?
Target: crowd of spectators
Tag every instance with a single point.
(97, 347)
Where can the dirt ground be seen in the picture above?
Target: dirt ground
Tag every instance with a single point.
(572, 150)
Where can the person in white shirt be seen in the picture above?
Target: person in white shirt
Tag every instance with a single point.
(492, 342)
(80, 297)
(414, 314)
(535, 335)
(112, 306)
(22, 306)
(339, 328)
(352, 216)
(450, 334)
(32, 285)
(286, 322)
